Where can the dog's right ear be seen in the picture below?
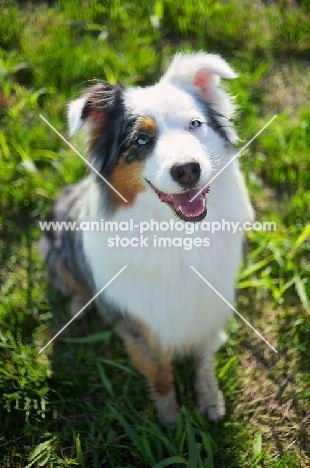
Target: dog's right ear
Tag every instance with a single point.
(76, 115)
(92, 106)
(102, 108)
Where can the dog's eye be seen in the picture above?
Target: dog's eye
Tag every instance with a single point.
(195, 123)
(142, 140)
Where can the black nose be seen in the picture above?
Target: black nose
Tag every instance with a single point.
(186, 174)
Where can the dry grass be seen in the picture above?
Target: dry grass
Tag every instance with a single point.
(287, 87)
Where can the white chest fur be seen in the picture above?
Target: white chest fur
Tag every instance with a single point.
(158, 285)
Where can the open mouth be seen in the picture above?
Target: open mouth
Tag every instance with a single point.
(182, 206)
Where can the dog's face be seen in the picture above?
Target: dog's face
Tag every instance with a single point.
(164, 140)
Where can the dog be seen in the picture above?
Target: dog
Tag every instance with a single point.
(158, 147)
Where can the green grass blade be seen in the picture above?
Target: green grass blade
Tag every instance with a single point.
(79, 451)
(301, 291)
(171, 461)
(301, 238)
(191, 442)
(257, 446)
(129, 431)
(110, 362)
(90, 339)
(104, 379)
(166, 442)
(3, 145)
(42, 450)
(228, 364)
(253, 268)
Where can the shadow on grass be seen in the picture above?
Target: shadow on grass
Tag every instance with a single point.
(90, 374)
(278, 397)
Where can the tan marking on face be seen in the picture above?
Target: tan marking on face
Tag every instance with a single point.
(126, 177)
(147, 125)
(127, 180)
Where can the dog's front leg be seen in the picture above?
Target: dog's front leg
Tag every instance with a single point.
(155, 365)
(210, 399)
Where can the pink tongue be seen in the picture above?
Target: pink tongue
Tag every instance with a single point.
(182, 203)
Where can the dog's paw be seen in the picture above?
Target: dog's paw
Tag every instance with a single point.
(169, 417)
(167, 408)
(213, 407)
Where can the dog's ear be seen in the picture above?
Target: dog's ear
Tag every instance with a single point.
(75, 115)
(93, 106)
(202, 72)
(102, 108)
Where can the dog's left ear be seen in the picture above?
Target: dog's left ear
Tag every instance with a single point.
(202, 72)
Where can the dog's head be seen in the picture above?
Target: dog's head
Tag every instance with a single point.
(165, 140)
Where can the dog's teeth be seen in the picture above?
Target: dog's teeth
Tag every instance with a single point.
(191, 215)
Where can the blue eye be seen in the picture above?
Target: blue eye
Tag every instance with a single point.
(195, 123)
(142, 140)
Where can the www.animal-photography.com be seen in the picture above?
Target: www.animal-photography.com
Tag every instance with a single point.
(155, 234)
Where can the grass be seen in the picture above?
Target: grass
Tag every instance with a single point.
(81, 403)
